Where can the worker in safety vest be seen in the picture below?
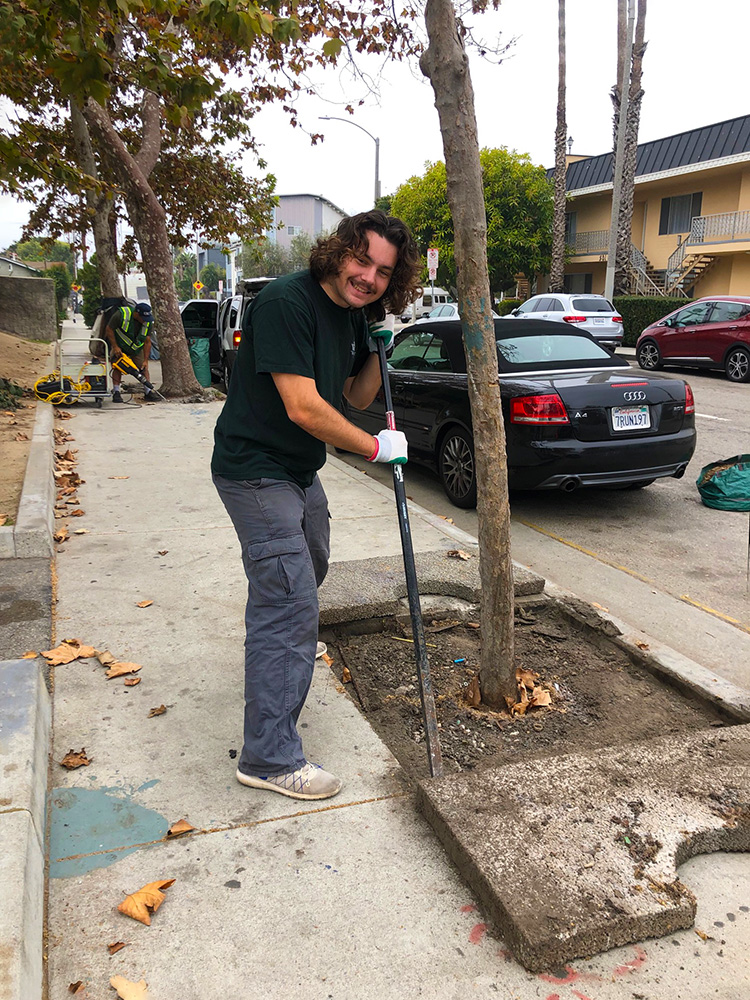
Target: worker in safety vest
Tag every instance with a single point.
(129, 332)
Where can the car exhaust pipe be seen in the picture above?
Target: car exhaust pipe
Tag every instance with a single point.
(680, 472)
(570, 484)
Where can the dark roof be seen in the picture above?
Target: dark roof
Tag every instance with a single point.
(712, 142)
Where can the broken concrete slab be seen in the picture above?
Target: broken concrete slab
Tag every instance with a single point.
(372, 588)
(577, 854)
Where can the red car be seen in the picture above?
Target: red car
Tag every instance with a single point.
(713, 332)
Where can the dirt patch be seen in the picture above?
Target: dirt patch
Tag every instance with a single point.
(599, 698)
(22, 361)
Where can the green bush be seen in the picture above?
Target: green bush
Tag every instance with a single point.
(639, 311)
(506, 306)
(10, 394)
(88, 276)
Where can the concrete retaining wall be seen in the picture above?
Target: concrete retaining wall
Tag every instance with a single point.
(27, 307)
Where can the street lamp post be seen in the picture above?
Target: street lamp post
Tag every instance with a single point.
(333, 118)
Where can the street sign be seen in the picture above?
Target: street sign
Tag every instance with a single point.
(75, 288)
(197, 285)
(433, 273)
(432, 259)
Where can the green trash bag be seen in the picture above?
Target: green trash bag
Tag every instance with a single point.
(726, 485)
(198, 347)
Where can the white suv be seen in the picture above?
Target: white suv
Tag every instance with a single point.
(592, 313)
(229, 323)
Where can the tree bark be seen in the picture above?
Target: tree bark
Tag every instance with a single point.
(446, 65)
(99, 206)
(557, 268)
(148, 220)
(632, 123)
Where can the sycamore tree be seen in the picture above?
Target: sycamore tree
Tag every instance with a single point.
(147, 89)
(518, 202)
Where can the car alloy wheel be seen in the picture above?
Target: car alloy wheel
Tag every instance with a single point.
(649, 356)
(226, 369)
(737, 365)
(457, 467)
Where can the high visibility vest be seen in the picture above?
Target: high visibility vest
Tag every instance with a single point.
(130, 333)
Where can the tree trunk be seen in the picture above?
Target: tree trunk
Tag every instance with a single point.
(446, 65)
(100, 207)
(557, 268)
(148, 219)
(632, 123)
(622, 28)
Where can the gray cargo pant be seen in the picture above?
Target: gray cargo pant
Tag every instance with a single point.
(284, 535)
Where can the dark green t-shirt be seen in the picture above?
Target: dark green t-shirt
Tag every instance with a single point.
(291, 327)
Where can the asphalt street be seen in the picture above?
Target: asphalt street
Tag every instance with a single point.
(662, 534)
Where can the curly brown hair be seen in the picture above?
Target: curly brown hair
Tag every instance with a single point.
(350, 240)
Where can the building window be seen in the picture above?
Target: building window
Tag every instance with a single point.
(294, 230)
(678, 213)
(577, 283)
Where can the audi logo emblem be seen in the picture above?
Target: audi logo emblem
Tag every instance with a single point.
(631, 397)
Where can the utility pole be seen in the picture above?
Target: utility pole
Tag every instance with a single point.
(609, 284)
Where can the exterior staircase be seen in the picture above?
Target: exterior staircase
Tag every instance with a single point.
(685, 269)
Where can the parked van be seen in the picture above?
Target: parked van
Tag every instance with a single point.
(431, 297)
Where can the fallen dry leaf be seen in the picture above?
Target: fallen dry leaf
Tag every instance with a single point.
(81, 531)
(74, 759)
(68, 456)
(540, 698)
(67, 651)
(163, 552)
(106, 658)
(116, 946)
(60, 513)
(31, 655)
(346, 675)
(61, 535)
(130, 682)
(458, 554)
(178, 828)
(117, 669)
(157, 711)
(3, 519)
(448, 519)
(473, 624)
(642, 645)
(77, 513)
(76, 987)
(600, 607)
(118, 477)
(21, 436)
(63, 415)
(527, 677)
(144, 604)
(127, 990)
(140, 905)
(473, 694)
(327, 659)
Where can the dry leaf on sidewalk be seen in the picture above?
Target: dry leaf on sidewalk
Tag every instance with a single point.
(117, 669)
(67, 651)
(642, 645)
(130, 682)
(3, 519)
(157, 711)
(116, 946)
(178, 828)
(458, 554)
(163, 552)
(21, 436)
(76, 988)
(31, 655)
(327, 659)
(127, 990)
(140, 905)
(74, 759)
(144, 604)
(81, 531)
(106, 658)
(61, 535)
(77, 513)
(346, 675)
(118, 477)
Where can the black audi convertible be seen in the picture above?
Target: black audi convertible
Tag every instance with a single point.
(575, 415)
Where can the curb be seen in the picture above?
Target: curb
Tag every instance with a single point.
(25, 731)
(31, 535)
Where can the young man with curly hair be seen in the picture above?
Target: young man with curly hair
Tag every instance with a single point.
(306, 341)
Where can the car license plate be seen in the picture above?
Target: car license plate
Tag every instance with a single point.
(599, 322)
(630, 418)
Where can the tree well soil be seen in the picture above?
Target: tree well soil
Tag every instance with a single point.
(599, 697)
(22, 361)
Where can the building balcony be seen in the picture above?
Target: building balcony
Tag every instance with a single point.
(727, 232)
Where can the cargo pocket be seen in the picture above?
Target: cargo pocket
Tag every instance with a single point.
(280, 570)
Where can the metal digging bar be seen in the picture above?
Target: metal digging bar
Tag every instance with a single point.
(415, 610)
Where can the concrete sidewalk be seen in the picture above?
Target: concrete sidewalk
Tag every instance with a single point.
(351, 899)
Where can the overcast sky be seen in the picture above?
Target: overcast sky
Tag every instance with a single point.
(695, 72)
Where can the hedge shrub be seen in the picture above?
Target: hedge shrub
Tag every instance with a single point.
(506, 306)
(639, 311)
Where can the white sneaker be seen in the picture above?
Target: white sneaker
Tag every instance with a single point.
(310, 782)
(321, 650)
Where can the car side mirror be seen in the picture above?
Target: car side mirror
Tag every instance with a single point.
(515, 312)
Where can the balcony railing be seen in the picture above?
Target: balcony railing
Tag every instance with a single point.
(722, 228)
(585, 243)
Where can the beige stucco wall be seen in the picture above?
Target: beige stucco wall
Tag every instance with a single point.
(27, 307)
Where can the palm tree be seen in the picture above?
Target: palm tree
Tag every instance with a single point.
(557, 269)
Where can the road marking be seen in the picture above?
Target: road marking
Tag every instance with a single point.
(707, 416)
(630, 572)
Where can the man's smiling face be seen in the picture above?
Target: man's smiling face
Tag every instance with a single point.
(363, 279)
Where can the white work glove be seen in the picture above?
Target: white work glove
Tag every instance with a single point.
(392, 447)
(381, 330)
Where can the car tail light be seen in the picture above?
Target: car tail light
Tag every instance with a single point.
(237, 337)
(575, 319)
(617, 319)
(538, 410)
(689, 401)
